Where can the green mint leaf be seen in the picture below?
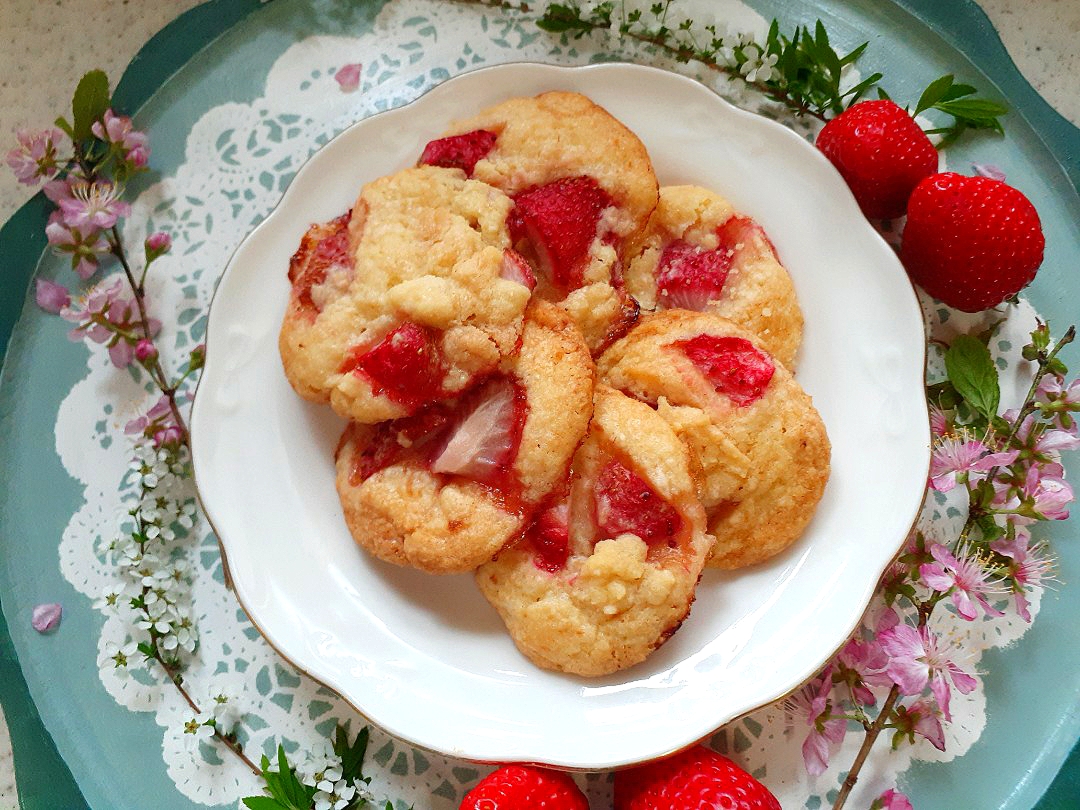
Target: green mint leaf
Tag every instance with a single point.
(934, 92)
(972, 371)
(958, 91)
(89, 103)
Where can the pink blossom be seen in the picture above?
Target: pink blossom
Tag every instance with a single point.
(34, 159)
(160, 410)
(348, 77)
(955, 459)
(106, 316)
(923, 718)
(939, 422)
(891, 799)
(918, 658)
(1029, 567)
(862, 664)
(965, 577)
(1045, 441)
(93, 206)
(50, 296)
(117, 129)
(46, 618)
(811, 704)
(1052, 495)
(84, 248)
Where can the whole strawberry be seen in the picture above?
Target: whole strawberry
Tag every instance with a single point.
(971, 242)
(881, 153)
(696, 779)
(524, 787)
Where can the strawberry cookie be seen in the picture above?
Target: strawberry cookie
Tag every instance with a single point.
(444, 489)
(607, 571)
(759, 444)
(583, 188)
(698, 253)
(410, 298)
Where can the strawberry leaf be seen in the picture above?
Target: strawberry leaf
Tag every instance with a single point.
(934, 92)
(974, 375)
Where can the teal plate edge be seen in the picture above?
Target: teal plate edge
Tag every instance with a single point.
(48, 784)
(43, 780)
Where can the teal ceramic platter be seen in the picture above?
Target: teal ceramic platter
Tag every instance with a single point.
(75, 745)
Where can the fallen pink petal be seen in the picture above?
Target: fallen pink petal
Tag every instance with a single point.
(50, 296)
(348, 77)
(46, 617)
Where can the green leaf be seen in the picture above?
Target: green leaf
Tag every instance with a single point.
(971, 370)
(89, 103)
(559, 18)
(64, 126)
(287, 791)
(975, 112)
(352, 756)
(934, 92)
(263, 803)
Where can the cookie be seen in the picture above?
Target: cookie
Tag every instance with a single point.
(444, 489)
(583, 189)
(698, 253)
(606, 573)
(410, 298)
(759, 444)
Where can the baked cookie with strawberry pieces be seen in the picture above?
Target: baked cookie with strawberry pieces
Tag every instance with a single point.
(760, 446)
(583, 188)
(699, 253)
(606, 573)
(444, 489)
(410, 298)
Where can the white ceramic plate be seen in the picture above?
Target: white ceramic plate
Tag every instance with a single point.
(425, 657)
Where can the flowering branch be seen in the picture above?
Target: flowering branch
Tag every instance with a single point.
(1009, 467)
(804, 72)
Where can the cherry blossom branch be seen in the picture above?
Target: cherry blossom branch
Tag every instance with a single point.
(867, 744)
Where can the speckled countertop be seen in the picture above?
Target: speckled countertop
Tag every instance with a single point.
(49, 49)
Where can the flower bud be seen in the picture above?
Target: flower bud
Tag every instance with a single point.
(146, 351)
(156, 244)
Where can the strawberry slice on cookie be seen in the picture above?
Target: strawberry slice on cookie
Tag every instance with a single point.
(699, 254)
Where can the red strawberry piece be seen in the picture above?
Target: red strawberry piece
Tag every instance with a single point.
(625, 503)
(515, 268)
(688, 277)
(971, 241)
(550, 537)
(484, 438)
(524, 787)
(325, 245)
(881, 153)
(459, 151)
(733, 365)
(393, 441)
(696, 779)
(559, 220)
(405, 365)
